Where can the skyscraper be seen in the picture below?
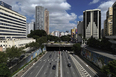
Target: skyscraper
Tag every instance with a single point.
(114, 18)
(39, 18)
(46, 21)
(108, 24)
(92, 23)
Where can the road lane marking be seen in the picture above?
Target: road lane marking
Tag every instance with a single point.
(34, 65)
(39, 71)
(31, 72)
(77, 63)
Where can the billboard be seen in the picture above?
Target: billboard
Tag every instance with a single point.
(5, 5)
(76, 31)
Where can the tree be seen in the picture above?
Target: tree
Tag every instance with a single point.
(13, 52)
(110, 68)
(3, 57)
(65, 38)
(36, 33)
(4, 70)
(42, 39)
(105, 44)
(42, 47)
(76, 48)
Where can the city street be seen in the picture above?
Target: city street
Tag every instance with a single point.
(43, 68)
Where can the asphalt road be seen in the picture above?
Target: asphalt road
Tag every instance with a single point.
(43, 68)
(68, 71)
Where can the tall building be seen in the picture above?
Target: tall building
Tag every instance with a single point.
(92, 23)
(73, 32)
(39, 18)
(12, 24)
(30, 26)
(109, 20)
(46, 21)
(114, 18)
(80, 31)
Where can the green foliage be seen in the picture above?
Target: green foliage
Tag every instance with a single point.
(41, 40)
(76, 48)
(4, 70)
(13, 52)
(103, 44)
(65, 38)
(53, 38)
(110, 68)
(37, 33)
(3, 57)
(42, 46)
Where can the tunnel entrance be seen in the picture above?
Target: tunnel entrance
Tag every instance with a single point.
(58, 48)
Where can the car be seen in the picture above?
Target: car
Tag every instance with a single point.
(69, 65)
(50, 56)
(69, 57)
(21, 57)
(54, 67)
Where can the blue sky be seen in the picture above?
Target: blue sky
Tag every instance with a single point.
(64, 14)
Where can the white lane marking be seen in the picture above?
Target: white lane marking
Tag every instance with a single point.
(39, 71)
(34, 65)
(67, 73)
(88, 67)
(31, 72)
(77, 63)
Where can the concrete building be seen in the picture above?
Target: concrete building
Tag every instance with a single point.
(56, 33)
(62, 34)
(114, 18)
(12, 24)
(73, 32)
(92, 23)
(46, 21)
(39, 18)
(108, 23)
(52, 33)
(80, 31)
(5, 43)
(30, 26)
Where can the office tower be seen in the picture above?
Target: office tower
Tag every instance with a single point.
(39, 18)
(114, 18)
(109, 19)
(46, 21)
(80, 31)
(12, 24)
(92, 23)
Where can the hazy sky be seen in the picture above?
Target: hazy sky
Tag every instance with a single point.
(64, 14)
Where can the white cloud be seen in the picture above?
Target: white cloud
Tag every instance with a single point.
(94, 1)
(104, 7)
(59, 18)
(81, 17)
